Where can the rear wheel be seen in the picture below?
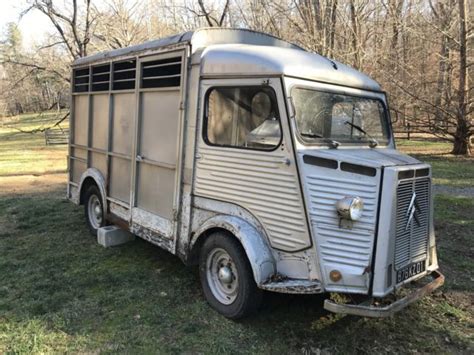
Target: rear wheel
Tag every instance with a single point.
(227, 278)
(94, 209)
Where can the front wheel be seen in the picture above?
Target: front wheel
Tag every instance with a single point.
(94, 209)
(227, 278)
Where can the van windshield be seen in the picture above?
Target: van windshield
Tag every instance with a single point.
(327, 117)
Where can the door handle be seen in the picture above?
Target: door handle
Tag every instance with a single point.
(285, 161)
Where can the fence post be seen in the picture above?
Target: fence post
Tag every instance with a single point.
(408, 133)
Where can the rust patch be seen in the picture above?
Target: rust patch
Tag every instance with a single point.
(114, 219)
(152, 237)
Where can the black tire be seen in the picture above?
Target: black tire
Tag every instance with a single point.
(93, 194)
(248, 296)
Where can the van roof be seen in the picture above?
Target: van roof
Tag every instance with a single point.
(238, 59)
(198, 39)
(242, 51)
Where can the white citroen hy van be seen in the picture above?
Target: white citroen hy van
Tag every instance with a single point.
(270, 167)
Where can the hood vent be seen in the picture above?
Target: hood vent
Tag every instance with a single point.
(358, 169)
(334, 164)
(322, 162)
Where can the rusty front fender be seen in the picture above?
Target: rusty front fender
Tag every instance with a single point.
(258, 252)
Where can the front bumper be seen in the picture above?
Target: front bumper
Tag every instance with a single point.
(389, 310)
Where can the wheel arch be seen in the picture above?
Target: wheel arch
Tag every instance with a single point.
(90, 177)
(255, 246)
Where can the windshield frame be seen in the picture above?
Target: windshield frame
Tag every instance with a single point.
(379, 96)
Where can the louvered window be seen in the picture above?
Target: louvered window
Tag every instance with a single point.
(81, 80)
(161, 73)
(124, 75)
(101, 77)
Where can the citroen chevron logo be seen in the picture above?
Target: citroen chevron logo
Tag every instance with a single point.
(413, 211)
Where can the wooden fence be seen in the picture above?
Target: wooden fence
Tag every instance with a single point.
(56, 136)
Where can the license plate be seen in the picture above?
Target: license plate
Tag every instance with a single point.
(410, 271)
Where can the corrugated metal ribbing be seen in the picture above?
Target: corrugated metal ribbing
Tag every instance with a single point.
(343, 246)
(402, 238)
(261, 183)
(411, 241)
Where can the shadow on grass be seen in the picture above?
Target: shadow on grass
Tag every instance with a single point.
(61, 291)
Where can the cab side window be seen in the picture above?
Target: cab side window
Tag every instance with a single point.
(245, 117)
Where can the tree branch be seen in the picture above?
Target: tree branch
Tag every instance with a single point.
(35, 66)
(39, 130)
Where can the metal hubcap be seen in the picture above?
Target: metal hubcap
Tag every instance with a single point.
(222, 276)
(95, 212)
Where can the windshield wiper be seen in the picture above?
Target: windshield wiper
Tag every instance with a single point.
(332, 142)
(372, 143)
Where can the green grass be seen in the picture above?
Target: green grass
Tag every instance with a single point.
(449, 170)
(22, 153)
(60, 291)
(455, 237)
(427, 146)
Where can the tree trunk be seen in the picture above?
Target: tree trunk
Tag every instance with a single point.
(462, 135)
(332, 27)
(441, 82)
(355, 39)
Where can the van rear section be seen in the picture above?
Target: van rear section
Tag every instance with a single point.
(269, 167)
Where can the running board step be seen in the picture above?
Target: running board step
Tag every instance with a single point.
(293, 286)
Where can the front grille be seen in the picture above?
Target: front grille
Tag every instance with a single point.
(412, 225)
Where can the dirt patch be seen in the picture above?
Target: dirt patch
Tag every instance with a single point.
(27, 184)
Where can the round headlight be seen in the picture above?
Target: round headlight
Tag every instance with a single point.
(350, 208)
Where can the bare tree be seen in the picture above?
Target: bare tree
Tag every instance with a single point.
(213, 19)
(442, 13)
(73, 27)
(122, 24)
(419, 51)
(464, 127)
(355, 35)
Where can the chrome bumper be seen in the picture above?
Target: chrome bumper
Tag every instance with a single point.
(389, 310)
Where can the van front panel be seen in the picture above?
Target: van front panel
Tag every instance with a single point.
(342, 246)
(352, 157)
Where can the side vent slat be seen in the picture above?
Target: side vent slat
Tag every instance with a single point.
(81, 80)
(161, 73)
(124, 74)
(101, 77)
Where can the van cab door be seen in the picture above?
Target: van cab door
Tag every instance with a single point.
(245, 156)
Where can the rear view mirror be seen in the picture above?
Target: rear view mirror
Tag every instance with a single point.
(394, 114)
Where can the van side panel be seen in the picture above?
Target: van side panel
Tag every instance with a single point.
(126, 126)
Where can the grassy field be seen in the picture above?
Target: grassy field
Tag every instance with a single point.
(62, 292)
(448, 169)
(22, 153)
